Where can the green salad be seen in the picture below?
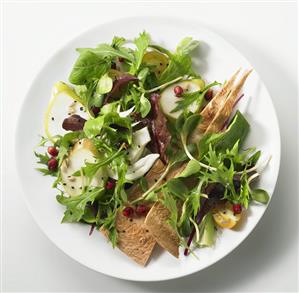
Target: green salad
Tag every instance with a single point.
(146, 150)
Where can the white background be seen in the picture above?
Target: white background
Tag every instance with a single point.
(265, 33)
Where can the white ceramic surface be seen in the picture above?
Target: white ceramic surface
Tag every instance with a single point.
(216, 60)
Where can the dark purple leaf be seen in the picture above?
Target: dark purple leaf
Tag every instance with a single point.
(73, 123)
(160, 133)
(119, 84)
(203, 210)
(95, 110)
(237, 101)
(91, 228)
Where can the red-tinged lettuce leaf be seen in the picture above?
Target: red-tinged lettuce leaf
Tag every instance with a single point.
(73, 123)
(119, 84)
(161, 135)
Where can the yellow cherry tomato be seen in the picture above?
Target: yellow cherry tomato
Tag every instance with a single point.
(225, 217)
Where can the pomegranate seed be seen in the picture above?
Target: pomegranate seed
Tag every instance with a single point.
(141, 210)
(95, 110)
(237, 208)
(178, 90)
(110, 185)
(128, 212)
(209, 95)
(52, 151)
(52, 164)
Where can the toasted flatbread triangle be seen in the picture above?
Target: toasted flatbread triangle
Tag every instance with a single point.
(134, 239)
(225, 111)
(211, 109)
(137, 242)
(165, 235)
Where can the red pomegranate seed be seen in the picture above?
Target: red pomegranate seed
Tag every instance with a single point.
(52, 151)
(237, 208)
(209, 95)
(95, 110)
(141, 210)
(110, 185)
(52, 164)
(178, 90)
(128, 212)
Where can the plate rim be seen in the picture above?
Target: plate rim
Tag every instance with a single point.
(171, 19)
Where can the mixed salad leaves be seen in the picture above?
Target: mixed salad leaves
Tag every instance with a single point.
(138, 133)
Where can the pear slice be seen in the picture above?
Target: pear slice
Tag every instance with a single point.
(140, 139)
(169, 99)
(64, 102)
(138, 169)
(82, 152)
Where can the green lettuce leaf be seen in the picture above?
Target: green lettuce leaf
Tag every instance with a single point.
(75, 206)
(142, 43)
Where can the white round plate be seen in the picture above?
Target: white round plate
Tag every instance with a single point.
(216, 60)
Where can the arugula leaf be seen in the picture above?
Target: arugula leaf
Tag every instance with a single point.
(90, 169)
(254, 158)
(244, 191)
(179, 65)
(43, 141)
(66, 141)
(108, 52)
(186, 46)
(142, 43)
(121, 166)
(87, 67)
(108, 223)
(93, 127)
(117, 42)
(169, 202)
(75, 206)
(230, 169)
(43, 159)
(46, 172)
